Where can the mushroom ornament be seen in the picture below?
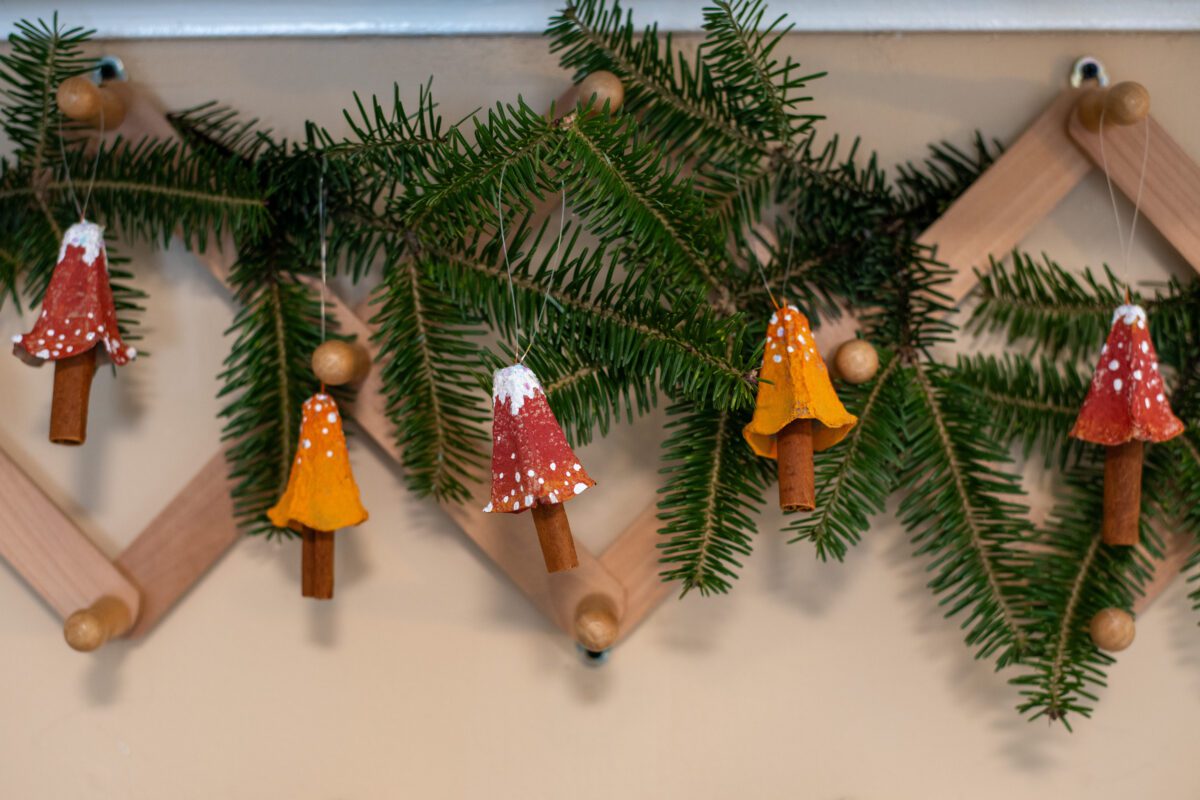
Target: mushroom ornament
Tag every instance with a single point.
(321, 494)
(533, 467)
(78, 314)
(1126, 406)
(797, 411)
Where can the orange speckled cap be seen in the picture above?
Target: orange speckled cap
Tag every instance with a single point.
(794, 384)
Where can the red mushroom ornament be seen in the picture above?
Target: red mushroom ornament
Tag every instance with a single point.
(533, 467)
(77, 314)
(1126, 406)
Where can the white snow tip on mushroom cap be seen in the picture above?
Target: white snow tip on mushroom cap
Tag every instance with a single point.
(515, 384)
(17, 338)
(87, 235)
(1129, 314)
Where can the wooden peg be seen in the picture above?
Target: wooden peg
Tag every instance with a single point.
(596, 623)
(316, 564)
(90, 628)
(338, 362)
(597, 88)
(1126, 103)
(83, 101)
(797, 487)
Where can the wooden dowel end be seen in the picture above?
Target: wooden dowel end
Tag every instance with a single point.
(596, 623)
(797, 484)
(90, 628)
(554, 535)
(316, 564)
(69, 403)
(1123, 493)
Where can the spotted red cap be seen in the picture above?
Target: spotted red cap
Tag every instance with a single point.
(78, 311)
(531, 460)
(1127, 399)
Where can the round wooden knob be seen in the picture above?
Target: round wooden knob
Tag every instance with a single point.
(1089, 107)
(605, 87)
(856, 361)
(83, 101)
(336, 363)
(596, 624)
(79, 98)
(1112, 629)
(1126, 103)
(89, 629)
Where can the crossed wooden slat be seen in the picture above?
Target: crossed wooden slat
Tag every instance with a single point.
(197, 526)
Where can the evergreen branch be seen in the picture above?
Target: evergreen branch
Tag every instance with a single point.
(605, 319)
(1035, 403)
(959, 513)
(738, 51)
(855, 478)
(676, 109)
(1072, 576)
(428, 355)
(713, 490)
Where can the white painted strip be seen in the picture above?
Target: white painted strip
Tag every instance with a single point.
(138, 19)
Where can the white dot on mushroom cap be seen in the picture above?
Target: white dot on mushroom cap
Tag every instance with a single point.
(529, 500)
(50, 332)
(1145, 347)
(553, 466)
(501, 476)
(332, 417)
(307, 444)
(1160, 397)
(579, 487)
(487, 508)
(324, 430)
(90, 336)
(1137, 374)
(1114, 365)
(17, 338)
(91, 315)
(78, 331)
(777, 358)
(800, 338)
(317, 407)
(541, 481)
(791, 349)
(1117, 384)
(553, 497)
(70, 349)
(98, 327)
(514, 455)
(779, 331)
(578, 467)
(329, 454)
(1154, 366)
(516, 503)
(1104, 349)
(529, 472)
(1147, 402)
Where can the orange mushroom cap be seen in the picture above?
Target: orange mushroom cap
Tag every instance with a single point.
(794, 384)
(321, 493)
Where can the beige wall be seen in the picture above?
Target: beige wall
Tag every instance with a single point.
(430, 676)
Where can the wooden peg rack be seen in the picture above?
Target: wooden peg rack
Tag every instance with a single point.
(610, 593)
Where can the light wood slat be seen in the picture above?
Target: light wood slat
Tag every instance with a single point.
(633, 557)
(1171, 194)
(45, 547)
(1033, 175)
(182, 542)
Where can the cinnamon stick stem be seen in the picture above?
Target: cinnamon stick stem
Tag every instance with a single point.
(797, 484)
(69, 402)
(1123, 493)
(316, 564)
(554, 535)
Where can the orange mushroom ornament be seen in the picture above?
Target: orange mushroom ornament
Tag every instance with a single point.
(321, 495)
(797, 411)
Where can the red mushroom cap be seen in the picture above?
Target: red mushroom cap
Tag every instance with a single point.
(78, 311)
(531, 460)
(1128, 399)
